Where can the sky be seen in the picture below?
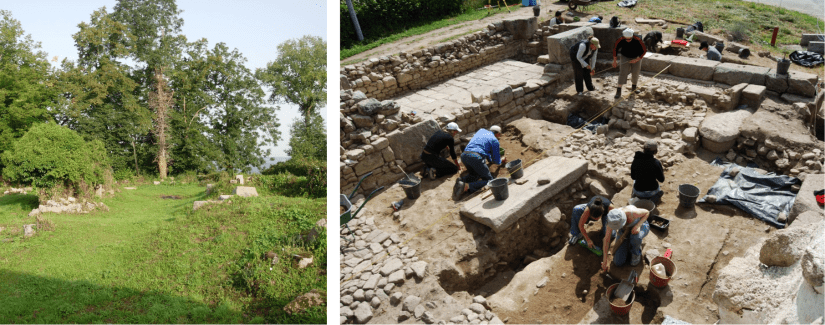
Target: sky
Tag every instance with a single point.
(254, 27)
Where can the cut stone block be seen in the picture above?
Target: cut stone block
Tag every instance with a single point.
(731, 74)
(198, 204)
(607, 36)
(817, 47)
(702, 37)
(500, 215)
(654, 62)
(802, 83)
(245, 191)
(701, 69)
(719, 132)
(522, 28)
(776, 82)
(807, 38)
(753, 95)
(804, 200)
(558, 45)
(407, 144)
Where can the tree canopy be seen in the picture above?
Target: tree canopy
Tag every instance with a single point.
(153, 100)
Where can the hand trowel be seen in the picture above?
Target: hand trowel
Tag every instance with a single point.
(626, 287)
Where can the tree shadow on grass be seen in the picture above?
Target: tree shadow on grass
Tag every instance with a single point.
(25, 202)
(26, 298)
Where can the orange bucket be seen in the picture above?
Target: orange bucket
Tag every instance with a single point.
(670, 270)
(619, 310)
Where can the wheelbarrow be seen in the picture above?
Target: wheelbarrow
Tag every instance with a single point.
(345, 202)
(573, 4)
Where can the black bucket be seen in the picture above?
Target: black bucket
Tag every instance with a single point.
(411, 186)
(720, 45)
(536, 11)
(499, 188)
(680, 33)
(782, 66)
(514, 167)
(688, 194)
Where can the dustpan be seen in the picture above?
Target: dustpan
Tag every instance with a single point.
(626, 287)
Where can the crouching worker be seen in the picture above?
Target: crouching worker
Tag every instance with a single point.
(628, 218)
(647, 172)
(438, 166)
(483, 146)
(594, 210)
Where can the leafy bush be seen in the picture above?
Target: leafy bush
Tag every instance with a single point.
(50, 155)
(308, 177)
(383, 17)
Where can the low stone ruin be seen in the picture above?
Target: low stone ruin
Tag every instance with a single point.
(68, 205)
(13, 190)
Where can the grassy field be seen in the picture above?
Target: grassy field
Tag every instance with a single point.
(742, 21)
(367, 45)
(153, 260)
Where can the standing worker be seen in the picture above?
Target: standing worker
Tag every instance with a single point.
(647, 172)
(713, 53)
(580, 54)
(438, 166)
(483, 145)
(595, 210)
(628, 218)
(631, 49)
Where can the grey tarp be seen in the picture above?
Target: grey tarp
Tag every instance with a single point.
(762, 196)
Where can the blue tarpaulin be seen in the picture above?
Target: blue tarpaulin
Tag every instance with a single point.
(762, 196)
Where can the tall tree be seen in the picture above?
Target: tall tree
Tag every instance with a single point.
(155, 26)
(101, 100)
(308, 142)
(299, 75)
(26, 86)
(225, 96)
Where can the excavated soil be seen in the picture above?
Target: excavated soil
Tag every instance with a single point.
(703, 238)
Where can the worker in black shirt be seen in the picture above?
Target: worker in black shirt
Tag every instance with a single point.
(438, 166)
(631, 49)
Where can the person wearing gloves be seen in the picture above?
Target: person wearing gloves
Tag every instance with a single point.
(436, 165)
(583, 57)
(595, 210)
(627, 54)
(628, 218)
(483, 146)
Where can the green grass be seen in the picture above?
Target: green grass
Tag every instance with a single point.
(468, 15)
(153, 260)
(746, 21)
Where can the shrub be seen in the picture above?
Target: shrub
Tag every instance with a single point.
(310, 177)
(49, 156)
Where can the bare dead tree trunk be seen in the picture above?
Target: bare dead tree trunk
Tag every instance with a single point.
(160, 100)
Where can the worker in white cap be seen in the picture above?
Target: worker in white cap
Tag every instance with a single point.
(583, 60)
(436, 165)
(483, 146)
(627, 54)
(628, 218)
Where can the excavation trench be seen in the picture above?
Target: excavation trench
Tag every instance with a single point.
(526, 271)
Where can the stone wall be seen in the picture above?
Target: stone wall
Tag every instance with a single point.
(389, 76)
(376, 137)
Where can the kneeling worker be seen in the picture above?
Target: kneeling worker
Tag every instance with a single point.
(438, 166)
(483, 146)
(647, 172)
(595, 210)
(628, 218)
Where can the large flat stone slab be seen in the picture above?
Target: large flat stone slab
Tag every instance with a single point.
(655, 62)
(719, 132)
(732, 74)
(500, 215)
(407, 144)
(692, 68)
(607, 36)
(802, 83)
(558, 45)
